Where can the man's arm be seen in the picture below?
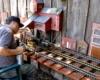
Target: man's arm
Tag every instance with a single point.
(6, 41)
(10, 52)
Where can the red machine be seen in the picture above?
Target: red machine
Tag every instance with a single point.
(56, 17)
(43, 23)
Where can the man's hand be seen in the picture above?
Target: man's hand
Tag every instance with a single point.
(21, 49)
(9, 52)
(28, 53)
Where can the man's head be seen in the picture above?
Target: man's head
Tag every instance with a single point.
(14, 23)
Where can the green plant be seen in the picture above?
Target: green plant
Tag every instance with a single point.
(63, 0)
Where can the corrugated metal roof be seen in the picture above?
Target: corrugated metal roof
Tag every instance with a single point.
(42, 19)
(51, 10)
(30, 19)
(39, 1)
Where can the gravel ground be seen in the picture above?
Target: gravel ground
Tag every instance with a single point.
(43, 76)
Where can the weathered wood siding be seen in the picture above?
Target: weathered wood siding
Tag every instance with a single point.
(13, 7)
(6, 6)
(1, 5)
(93, 16)
(78, 15)
(76, 18)
(48, 3)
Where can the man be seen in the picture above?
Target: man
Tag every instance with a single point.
(9, 49)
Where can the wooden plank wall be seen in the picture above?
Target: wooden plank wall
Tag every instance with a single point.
(93, 16)
(6, 6)
(1, 4)
(78, 15)
(76, 18)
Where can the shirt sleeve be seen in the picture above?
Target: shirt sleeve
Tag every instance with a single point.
(6, 39)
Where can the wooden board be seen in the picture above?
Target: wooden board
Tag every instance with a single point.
(28, 10)
(76, 18)
(47, 3)
(6, 6)
(93, 16)
(3, 17)
(13, 4)
(1, 5)
(22, 10)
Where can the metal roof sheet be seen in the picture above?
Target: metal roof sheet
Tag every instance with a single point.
(30, 19)
(51, 10)
(42, 19)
